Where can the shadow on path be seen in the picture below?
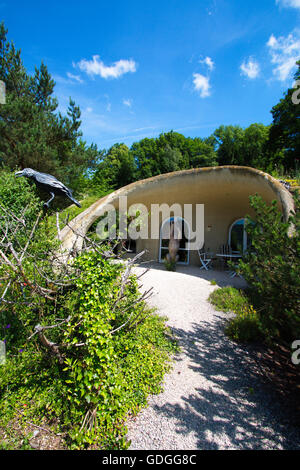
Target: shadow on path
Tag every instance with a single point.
(234, 406)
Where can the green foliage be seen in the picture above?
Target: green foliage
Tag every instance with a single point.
(170, 265)
(228, 299)
(31, 391)
(112, 373)
(115, 350)
(18, 196)
(71, 212)
(116, 169)
(229, 140)
(284, 141)
(272, 267)
(245, 326)
(20, 207)
(170, 152)
(237, 146)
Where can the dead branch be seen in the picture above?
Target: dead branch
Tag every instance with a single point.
(142, 298)
(58, 273)
(57, 226)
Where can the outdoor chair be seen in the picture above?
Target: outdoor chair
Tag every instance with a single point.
(205, 259)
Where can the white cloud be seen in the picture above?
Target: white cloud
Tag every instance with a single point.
(289, 3)
(127, 102)
(250, 68)
(209, 62)
(77, 78)
(97, 67)
(272, 41)
(201, 84)
(71, 80)
(285, 51)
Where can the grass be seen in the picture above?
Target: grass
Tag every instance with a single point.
(228, 299)
(245, 326)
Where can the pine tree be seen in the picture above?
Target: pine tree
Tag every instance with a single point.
(32, 132)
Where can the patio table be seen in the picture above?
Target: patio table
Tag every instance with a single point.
(230, 255)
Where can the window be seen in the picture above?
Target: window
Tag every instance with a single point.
(183, 252)
(237, 238)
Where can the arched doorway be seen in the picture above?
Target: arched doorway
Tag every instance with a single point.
(183, 252)
(237, 237)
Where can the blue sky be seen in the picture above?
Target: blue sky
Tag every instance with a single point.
(137, 68)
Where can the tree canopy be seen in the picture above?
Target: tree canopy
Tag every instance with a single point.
(284, 142)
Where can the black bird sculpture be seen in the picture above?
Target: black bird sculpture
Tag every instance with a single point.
(49, 183)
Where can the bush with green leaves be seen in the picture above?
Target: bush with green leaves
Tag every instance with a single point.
(170, 265)
(228, 299)
(17, 197)
(245, 326)
(272, 268)
(81, 321)
(118, 352)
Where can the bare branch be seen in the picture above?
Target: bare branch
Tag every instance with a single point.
(31, 234)
(142, 298)
(57, 226)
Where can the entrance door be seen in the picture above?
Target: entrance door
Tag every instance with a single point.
(183, 252)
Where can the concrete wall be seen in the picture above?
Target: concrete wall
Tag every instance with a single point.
(224, 191)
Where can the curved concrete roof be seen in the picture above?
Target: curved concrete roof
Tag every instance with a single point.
(214, 181)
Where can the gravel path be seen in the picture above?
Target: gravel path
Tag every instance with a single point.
(214, 397)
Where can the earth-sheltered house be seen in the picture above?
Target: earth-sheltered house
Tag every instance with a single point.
(222, 191)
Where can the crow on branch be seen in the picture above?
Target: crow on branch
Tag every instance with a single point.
(48, 183)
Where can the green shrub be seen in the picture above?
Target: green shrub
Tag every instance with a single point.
(170, 265)
(107, 374)
(72, 211)
(113, 373)
(82, 325)
(228, 299)
(16, 194)
(272, 269)
(245, 327)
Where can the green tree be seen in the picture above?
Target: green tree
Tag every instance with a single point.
(272, 268)
(32, 133)
(172, 151)
(116, 169)
(229, 145)
(238, 146)
(254, 147)
(145, 155)
(284, 141)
